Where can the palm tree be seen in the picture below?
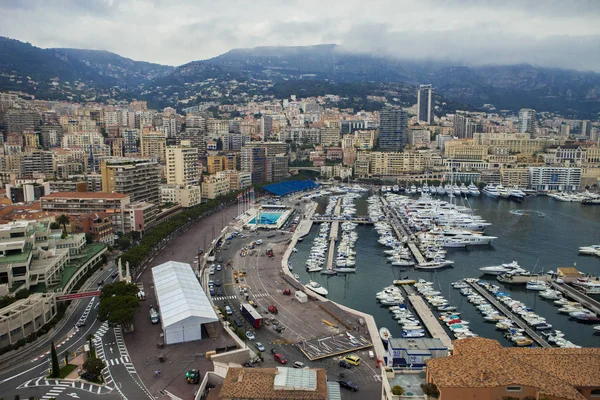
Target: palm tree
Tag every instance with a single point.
(63, 220)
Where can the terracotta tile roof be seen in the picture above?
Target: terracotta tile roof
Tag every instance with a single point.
(84, 195)
(250, 383)
(480, 363)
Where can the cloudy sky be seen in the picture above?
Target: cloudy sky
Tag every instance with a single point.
(557, 33)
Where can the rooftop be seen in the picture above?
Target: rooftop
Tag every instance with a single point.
(556, 372)
(259, 383)
(85, 195)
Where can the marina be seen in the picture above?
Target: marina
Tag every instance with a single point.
(509, 222)
(429, 320)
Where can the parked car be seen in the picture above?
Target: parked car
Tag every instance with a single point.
(344, 364)
(219, 267)
(280, 358)
(217, 283)
(238, 323)
(259, 346)
(348, 384)
(252, 303)
(298, 364)
(250, 335)
(228, 310)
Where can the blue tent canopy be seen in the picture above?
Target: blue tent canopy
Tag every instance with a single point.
(283, 188)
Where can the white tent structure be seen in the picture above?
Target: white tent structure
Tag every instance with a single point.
(182, 303)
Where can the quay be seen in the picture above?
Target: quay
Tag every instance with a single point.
(578, 296)
(333, 235)
(401, 232)
(530, 332)
(354, 220)
(429, 320)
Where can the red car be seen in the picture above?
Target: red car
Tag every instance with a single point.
(272, 309)
(287, 292)
(280, 358)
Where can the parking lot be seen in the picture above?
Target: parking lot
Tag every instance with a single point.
(299, 322)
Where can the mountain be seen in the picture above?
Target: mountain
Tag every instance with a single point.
(121, 69)
(572, 93)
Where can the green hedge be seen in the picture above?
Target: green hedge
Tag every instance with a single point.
(136, 255)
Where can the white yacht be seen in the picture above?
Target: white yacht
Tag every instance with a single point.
(516, 194)
(473, 190)
(536, 285)
(440, 190)
(491, 191)
(590, 250)
(588, 286)
(435, 264)
(315, 287)
(502, 191)
(464, 190)
(500, 269)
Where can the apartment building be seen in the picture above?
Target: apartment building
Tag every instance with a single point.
(254, 160)
(81, 203)
(182, 165)
(514, 143)
(137, 178)
(214, 186)
(98, 224)
(216, 164)
(465, 150)
(186, 196)
(393, 163)
(515, 177)
(554, 178)
(237, 179)
(37, 162)
(153, 144)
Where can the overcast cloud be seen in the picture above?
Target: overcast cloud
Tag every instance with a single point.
(557, 33)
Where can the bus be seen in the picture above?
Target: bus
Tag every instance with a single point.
(251, 315)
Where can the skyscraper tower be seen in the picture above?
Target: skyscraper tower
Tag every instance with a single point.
(393, 129)
(424, 104)
(527, 121)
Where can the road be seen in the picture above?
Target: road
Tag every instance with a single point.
(25, 377)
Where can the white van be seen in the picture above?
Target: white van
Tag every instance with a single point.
(228, 310)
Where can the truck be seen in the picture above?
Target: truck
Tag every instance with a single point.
(141, 294)
(154, 318)
(251, 315)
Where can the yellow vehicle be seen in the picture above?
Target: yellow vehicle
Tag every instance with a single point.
(252, 303)
(354, 360)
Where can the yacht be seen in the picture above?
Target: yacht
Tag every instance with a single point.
(435, 264)
(440, 190)
(551, 294)
(384, 334)
(587, 286)
(536, 285)
(464, 190)
(516, 194)
(491, 191)
(502, 191)
(473, 190)
(500, 269)
(314, 269)
(315, 287)
(590, 250)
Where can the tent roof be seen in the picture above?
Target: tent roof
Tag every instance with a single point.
(180, 295)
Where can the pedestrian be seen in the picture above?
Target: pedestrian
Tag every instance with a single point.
(156, 373)
(159, 371)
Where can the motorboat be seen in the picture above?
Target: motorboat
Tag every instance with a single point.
(502, 191)
(436, 264)
(551, 294)
(315, 287)
(491, 191)
(516, 194)
(587, 286)
(590, 250)
(536, 285)
(473, 190)
(464, 190)
(500, 269)
(384, 334)
(314, 269)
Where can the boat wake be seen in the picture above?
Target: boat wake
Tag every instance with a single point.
(525, 213)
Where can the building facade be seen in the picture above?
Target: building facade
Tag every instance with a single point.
(393, 130)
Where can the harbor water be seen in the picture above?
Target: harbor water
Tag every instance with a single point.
(540, 233)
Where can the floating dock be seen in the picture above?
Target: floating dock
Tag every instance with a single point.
(429, 320)
(416, 253)
(530, 332)
(401, 232)
(584, 299)
(333, 235)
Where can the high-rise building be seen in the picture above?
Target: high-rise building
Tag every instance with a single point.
(393, 129)
(37, 162)
(585, 129)
(254, 160)
(527, 121)
(137, 178)
(424, 104)
(464, 126)
(153, 145)
(182, 165)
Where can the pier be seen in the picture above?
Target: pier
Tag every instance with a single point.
(429, 320)
(530, 332)
(333, 235)
(401, 232)
(416, 253)
(585, 300)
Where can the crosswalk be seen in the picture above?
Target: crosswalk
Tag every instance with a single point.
(257, 295)
(85, 314)
(117, 361)
(59, 385)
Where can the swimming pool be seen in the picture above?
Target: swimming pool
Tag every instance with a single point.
(267, 218)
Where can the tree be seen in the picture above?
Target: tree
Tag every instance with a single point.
(54, 225)
(430, 389)
(66, 357)
(63, 220)
(54, 357)
(397, 390)
(94, 366)
(89, 238)
(118, 302)
(123, 243)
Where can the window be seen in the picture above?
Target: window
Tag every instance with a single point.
(595, 393)
(513, 388)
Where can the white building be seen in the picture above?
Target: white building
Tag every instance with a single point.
(186, 196)
(555, 178)
(182, 303)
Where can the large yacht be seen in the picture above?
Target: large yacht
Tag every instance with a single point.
(502, 191)
(473, 190)
(500, 269)
(590, 250)
(516, 194)
(491, 191)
